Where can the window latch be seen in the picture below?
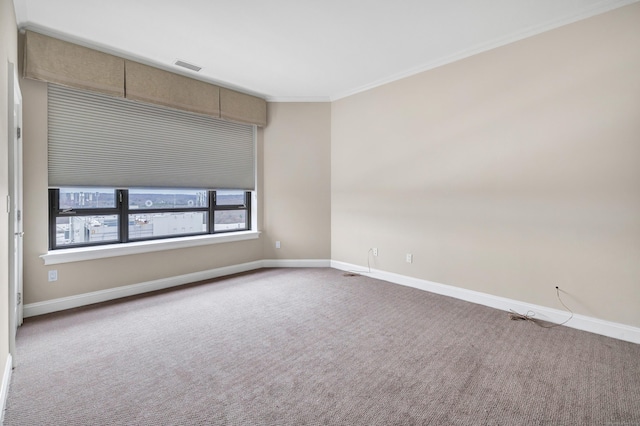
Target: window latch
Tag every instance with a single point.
(67, 211)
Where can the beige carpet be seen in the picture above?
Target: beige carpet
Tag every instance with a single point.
(313, 347)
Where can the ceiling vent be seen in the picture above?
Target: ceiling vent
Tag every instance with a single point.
(187, 65)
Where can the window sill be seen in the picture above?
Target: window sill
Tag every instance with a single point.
(99, 252)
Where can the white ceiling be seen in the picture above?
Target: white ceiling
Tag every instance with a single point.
(300, 50)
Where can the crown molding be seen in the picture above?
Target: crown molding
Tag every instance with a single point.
(302, 99)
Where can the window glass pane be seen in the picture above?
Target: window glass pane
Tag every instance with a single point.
(229, 198)
(140, 198)
(229, 220)
(153, 225)
(87, 198)
(86, 229)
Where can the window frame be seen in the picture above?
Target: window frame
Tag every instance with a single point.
(122, 210)
(213, 199)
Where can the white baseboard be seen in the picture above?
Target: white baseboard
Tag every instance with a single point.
(63, 303)
(6, 381)
(580, 322)
(296, 263)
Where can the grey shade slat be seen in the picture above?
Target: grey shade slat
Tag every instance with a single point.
(97, 140)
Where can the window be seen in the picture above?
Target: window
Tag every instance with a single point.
(89, 216)
(122, 171)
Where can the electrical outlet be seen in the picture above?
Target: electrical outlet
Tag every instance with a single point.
(375, 251)
(409, 258)
(53, 275)
(277, 244)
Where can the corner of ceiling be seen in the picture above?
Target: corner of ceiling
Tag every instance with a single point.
(20, 8)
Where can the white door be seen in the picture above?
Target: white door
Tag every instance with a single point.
(15, 207)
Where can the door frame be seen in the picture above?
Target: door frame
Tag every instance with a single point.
(15, 205)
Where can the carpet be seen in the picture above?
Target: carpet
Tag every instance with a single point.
(313, 347)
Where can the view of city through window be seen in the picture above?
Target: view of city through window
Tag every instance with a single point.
(146, 214)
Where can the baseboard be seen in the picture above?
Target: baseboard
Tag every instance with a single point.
(6, 381)
(580, 322)
(55, 305)
(296, 263)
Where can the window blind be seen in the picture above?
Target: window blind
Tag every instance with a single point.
(98, 140)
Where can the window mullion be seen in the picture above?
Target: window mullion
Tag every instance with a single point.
(212, 214)
(123, 222)
(247, 202)
(54, 204)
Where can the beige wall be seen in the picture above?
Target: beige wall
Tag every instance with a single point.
(507, 173)
(297, 152)
(8, 53)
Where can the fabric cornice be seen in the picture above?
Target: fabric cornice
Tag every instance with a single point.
(153, 85)
(242, 108)
(56, 61)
